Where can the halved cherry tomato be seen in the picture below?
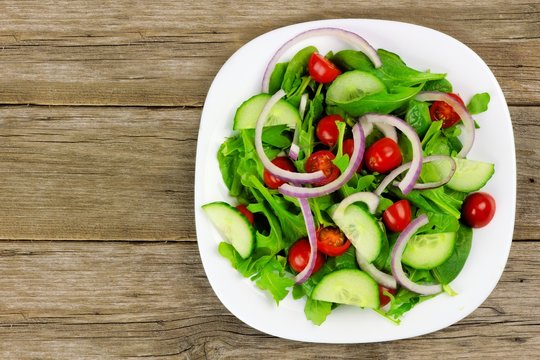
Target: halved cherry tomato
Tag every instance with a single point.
(478, 209)
(383, 156)
(397, 216)
(299, 256)
(327, 130)
(382, 297)
(248, 214)
(440, 110)
(272, 181)
(321, 69)
(348, 148)
(331, 241)
(322, 160)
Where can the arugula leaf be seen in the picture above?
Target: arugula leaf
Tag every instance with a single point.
(272, 242)
(479, 103)
(272, 278)
(276, 78)
(418, 116)
(432, 200)
(247, 267)
(358, 183)
(451, 268)
(296, 68)
(317, 310)
(403, 301)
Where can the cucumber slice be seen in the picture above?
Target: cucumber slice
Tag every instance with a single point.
(362, 229)
(233, 226)
(470, 175)
(427, 251)
(282, 113)
(348, 286)
(353, 85)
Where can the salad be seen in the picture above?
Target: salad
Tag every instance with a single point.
(351, 180)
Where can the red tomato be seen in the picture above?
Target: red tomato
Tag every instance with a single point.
(382, 297)
(321, 69)
(322, 160)
(248, 214)
(272, 181)
(383, 156)
(440, 110)
(327, 130)
(478, 209)
(397, 216)
(299, 256)
(348, 148)
(331, 241)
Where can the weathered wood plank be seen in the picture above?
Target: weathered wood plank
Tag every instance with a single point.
(167, 54)
(97, 300)
(127, 173)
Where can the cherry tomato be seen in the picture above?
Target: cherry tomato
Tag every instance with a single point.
(478, 209)
(331, 241)
(397, 216)
(440, 110)
(348, 148)
(272, 181)
(321, 69)
(383, 156)
(299, 256)
(327, 130)
(382, 297)
(248, 214)
(322, 160)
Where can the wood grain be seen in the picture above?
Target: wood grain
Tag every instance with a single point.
(167, 54)
(116, 173)
(88, 300)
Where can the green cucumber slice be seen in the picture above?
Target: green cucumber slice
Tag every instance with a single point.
(350, 287)
(362, 229)
(233, 226)
(427, 251)
(353, 85)
(470, 175)
(282, 113)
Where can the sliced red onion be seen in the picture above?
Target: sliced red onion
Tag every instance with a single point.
(354, 162)
(408, 182)
(387, 130)
(397, 252)
(297, 178)
(303, 275)
(380, 277)
(394, 173)
(350, 37)
(369, 198)
(461, 110)
(295, 149)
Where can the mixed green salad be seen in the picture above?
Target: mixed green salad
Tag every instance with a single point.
(351, 179)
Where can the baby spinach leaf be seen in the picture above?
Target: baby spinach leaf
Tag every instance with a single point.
(451, 268)
(479, 103)
(418, 116)
(296, 68)
(442, 85)
(276, 78)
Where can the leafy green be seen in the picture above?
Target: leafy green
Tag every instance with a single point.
(442, 85)
(317, 310)
(272, 278)
(296, 68)
(276, 78)
(479, 103)
(432, 200)
(418, 116)
(402, 302)
(451, 268)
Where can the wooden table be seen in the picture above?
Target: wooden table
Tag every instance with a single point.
(100, 104)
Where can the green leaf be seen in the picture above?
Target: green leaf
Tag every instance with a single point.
(418, 116)
(451, 268)
(296, 68)
(317, 310)
(277, 77)
(272, 278)
(442, 85)
(479, 103)
(277, 136)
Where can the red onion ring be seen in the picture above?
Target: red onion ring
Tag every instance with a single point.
(408, 182)
(303, 275)
(295, 149)
(297, 178)
(397, 252)
(345, 35)
(356, 159)
(394, 173)
(461, 110)
(380, 277)
(387, 130)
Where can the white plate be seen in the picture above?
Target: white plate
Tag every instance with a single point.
(420, 48)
